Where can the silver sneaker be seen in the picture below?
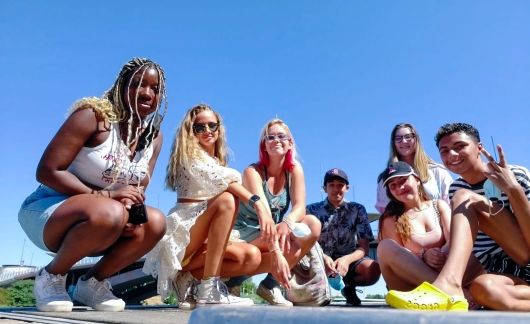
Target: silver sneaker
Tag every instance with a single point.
(50, 292)
(184, 286)
(214, 292)
(273, 296)
(98, 295)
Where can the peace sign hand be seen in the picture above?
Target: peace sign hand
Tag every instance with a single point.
(498, 172)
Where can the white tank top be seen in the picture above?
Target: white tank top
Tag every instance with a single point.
(94, 165)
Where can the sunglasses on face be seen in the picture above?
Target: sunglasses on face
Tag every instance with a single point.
(279, 137)
(407, 137)
(199, 128)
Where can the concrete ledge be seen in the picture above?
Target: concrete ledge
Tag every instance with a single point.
(310, 315)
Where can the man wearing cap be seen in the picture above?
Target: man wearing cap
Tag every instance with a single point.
(345, 236)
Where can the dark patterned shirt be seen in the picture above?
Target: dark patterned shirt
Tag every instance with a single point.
(342, 227)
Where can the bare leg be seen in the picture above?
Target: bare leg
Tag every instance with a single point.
(239, 259)
(402, 270)
(83, 225)
(299, 246)
(131, 248)
(215, 224)
(365, 273)
(87, 225)
(471, 213)
(501, 292)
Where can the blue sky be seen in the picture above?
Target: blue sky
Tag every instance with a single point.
(340, 73)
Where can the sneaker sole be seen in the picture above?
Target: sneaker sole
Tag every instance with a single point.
(223, 305)
(272, 303)
(106, 308)
(66, 308)
(187, 306)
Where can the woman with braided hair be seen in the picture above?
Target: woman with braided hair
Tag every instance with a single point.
(93, 171)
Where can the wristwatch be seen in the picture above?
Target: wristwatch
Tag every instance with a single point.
(252, 201)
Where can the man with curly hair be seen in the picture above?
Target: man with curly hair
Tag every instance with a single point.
(491, 219)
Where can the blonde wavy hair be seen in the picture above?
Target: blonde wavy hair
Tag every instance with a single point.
(421, 159)
(186, 147)
(396, 209)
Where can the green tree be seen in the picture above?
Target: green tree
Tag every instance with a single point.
(3, 297)
(248, 287)
(375, 296)
(21, 293)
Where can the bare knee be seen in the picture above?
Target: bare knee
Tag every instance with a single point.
(386, 249)
(226, 202)
(466, 198)
(251, 258)
(370, 273)
(109, 216)
(314, 225)
(490, 293)
(156, 223)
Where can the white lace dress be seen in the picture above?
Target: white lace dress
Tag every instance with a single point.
(204, 180)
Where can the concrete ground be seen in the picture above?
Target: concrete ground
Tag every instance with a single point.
(370, 312)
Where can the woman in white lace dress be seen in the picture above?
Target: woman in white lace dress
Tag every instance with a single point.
(196, 244)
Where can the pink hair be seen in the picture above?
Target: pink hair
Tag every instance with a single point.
(290, 157)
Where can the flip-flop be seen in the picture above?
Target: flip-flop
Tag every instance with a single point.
(426, 297)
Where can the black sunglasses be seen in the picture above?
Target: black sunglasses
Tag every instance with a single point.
(199, 128)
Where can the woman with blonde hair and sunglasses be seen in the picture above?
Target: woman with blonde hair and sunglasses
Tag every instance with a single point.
(405, 145)
(278, 180)
(198, 244)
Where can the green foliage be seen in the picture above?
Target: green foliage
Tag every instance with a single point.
(21, 293)
(171, 299)
(248, 290)
(248, 287)
(3, 297)
(375, 296)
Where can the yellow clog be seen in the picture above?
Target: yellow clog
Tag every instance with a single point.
(426, 297)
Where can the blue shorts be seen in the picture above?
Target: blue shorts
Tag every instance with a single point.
(36, 210)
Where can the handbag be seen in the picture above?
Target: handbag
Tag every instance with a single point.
(309, 283)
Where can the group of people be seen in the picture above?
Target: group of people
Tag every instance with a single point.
(227, 226)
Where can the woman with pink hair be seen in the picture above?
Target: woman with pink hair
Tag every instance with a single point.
(278, 179)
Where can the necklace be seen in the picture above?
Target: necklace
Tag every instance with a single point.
(416, 211)
(414, 216)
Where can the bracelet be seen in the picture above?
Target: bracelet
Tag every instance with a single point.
(275, 246)
(289, 223)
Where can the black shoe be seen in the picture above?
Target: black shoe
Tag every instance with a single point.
(350, 293)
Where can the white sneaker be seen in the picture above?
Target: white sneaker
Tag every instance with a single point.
(50, 292)
(214, 292)
(273, 296)
(184, 285)
(98, 295)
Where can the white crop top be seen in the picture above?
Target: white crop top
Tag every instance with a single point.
(94, 165)
(204, 178)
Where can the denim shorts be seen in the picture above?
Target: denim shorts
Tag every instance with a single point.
(36, 210)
